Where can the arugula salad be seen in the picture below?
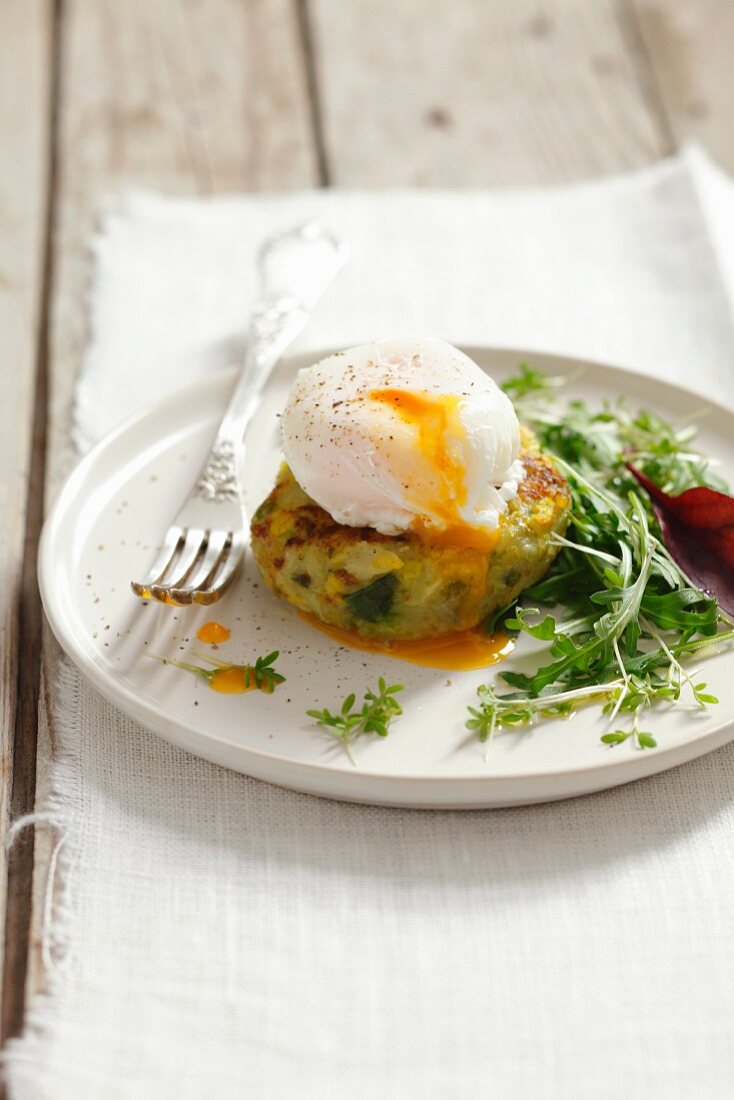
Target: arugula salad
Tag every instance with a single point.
(617, 613)
(643, 582)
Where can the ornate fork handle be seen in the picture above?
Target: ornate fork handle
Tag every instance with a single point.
(288, 289)
(273, 325)
(204, 546)
(268, 315)
(218, 479)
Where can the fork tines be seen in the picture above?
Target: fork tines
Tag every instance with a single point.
(194, 566)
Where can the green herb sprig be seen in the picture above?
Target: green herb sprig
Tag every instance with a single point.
(377, 711)
(625, 618)
(262, 675)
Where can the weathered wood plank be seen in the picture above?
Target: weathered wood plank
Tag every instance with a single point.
(24, 128)
(193, 98)
(185, 98)
(689, 46)
(471, 93)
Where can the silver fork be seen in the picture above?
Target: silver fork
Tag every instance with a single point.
(204, 546)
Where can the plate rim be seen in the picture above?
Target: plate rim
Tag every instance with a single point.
(154, 720)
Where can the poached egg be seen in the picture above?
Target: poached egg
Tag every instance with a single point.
(406, 435)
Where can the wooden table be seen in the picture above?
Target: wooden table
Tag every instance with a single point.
(197, 96)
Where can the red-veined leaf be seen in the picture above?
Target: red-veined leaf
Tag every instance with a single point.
(698, 528)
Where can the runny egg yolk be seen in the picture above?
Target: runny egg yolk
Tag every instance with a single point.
(236, 680)
(435, 420)
(212, 633)
(461, 652)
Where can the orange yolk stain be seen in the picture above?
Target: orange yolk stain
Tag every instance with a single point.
(464, 651)
(146, 594)
(234, 680)
(212, 633)
(435, 419)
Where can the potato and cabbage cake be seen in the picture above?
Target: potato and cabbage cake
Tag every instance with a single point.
(399, 586)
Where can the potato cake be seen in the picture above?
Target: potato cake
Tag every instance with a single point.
(399, 586)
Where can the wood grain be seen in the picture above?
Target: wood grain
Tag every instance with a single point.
(196, 96)
(174, 95)
(474, 93)
(25, 73)
(690, 49)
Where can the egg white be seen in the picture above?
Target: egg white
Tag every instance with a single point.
(360, 460)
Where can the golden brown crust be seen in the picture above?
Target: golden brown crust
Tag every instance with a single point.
(324, 568)
(541, 478)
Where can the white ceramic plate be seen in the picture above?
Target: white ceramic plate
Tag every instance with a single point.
(103, 531)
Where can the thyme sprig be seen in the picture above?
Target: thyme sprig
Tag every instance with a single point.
(377, 711)
(262, 675)
(624, 616)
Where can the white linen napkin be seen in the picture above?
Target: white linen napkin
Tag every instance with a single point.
(221, 937)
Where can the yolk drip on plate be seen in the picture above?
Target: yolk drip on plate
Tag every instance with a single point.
(235, 680)
(212, 633)
(464, 651)
(435, 420)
